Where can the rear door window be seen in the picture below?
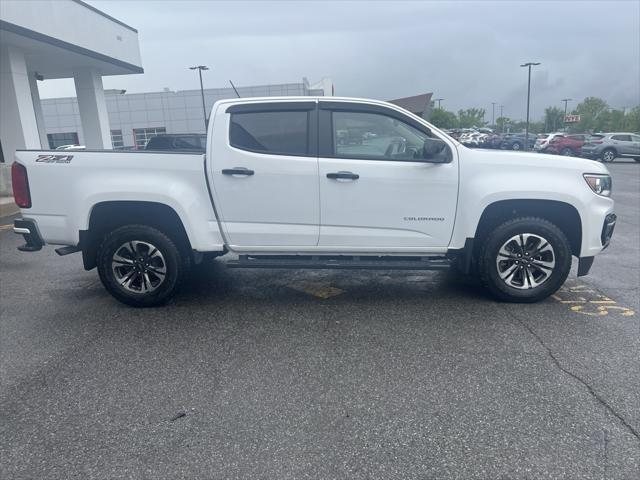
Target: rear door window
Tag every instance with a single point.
(622, 138)
(271, 132)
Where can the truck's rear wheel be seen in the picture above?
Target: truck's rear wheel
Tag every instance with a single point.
(140, 266)
(525, 260)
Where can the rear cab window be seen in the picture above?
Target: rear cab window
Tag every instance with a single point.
(275, 132)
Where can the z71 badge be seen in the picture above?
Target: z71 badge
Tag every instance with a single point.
(54, 158)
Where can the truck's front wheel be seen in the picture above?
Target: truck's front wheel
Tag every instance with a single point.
(525, 260)
(140, 266)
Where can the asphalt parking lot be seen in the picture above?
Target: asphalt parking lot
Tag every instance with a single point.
(332, 374)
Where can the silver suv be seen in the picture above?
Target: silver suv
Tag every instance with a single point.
(607, 146)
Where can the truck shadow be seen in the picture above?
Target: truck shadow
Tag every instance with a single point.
(214, 282)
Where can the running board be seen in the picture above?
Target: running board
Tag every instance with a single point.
(68, 250)
(340, 262)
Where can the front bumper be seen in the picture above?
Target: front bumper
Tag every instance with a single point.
(584, 263)
(607, 229)
(29, 230)
(589, 153)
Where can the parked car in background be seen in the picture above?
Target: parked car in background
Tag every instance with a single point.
(181, 142)
(495, 140)
(608, 146)
(542, 142)
(517, 141)
(567, 145)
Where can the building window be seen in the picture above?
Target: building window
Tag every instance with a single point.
(116, 139)
(142, 135)
(59, 139)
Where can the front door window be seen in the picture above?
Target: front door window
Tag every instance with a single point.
(361, 135)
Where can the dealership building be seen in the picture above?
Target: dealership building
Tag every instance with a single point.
(136, 117)
(36, 43)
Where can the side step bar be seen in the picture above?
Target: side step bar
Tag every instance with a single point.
(68, 250)
(340, 262)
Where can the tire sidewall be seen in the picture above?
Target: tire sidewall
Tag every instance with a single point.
(604, 154)
(500, 235)
(165, 245)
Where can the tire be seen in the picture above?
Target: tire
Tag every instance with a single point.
(608, 155)
(567, 152)
(141, 266)
(523, 284)
(516, 146)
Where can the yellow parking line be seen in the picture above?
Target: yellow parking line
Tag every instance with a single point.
(590, 302)
(320, 291)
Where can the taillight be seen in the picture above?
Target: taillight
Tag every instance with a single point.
(20, 183)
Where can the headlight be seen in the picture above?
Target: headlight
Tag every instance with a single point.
(600, 184)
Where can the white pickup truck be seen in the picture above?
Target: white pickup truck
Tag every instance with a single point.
(305, 182)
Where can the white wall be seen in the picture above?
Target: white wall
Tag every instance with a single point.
(74, 23)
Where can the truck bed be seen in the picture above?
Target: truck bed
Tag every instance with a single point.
(66, 185)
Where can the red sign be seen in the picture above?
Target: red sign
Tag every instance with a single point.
(571, 118)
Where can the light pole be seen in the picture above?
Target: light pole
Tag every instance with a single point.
(200, 68)
(565, 100)
(526, 130)
(502, 117)
(438, 100)
(493, 114)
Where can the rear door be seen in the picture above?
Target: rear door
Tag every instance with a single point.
(264, 168)
(623, 144)
(374, 194)
(635, 146)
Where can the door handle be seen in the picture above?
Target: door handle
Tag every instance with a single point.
(237, 171)
(344, 175)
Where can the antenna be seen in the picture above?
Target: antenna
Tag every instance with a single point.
(234, 88)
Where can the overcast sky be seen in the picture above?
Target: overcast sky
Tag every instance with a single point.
(465, 52)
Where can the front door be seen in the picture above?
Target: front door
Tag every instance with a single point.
(264, 168)
(375, 194)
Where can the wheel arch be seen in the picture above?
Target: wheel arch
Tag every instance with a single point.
(562, 214)
(109, 215)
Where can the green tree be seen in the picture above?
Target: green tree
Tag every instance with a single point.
(471, 117)
(501, 124)
(594, 115)
(632, 120)
(616, 121)
(553, 119)
(537, 127)
(442, 118)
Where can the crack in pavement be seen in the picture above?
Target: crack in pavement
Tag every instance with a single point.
(589, 388)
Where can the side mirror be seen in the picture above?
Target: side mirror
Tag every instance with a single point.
(436, 151)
